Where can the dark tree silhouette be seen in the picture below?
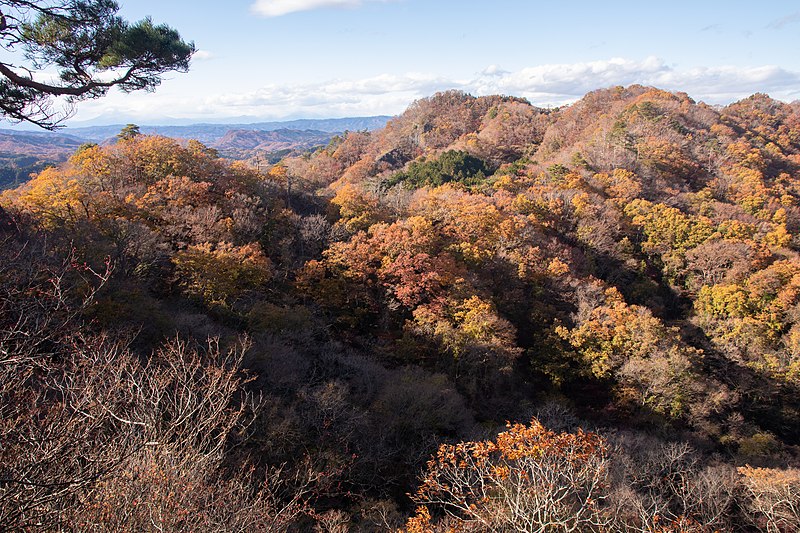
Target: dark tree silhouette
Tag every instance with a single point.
(92, 48)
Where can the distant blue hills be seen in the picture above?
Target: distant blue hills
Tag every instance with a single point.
(25, 151)
(209, 133)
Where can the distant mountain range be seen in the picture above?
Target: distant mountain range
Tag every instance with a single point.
(209, 133)
(43, 144)
(242, 143)
(24, 152)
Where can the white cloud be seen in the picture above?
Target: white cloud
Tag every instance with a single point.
(277, 8)
(543, 85)
(381, 94)
(564, 83)
(493, 70)
(202, 55)
(567, 81)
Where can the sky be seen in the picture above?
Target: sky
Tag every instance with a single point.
(286, 59)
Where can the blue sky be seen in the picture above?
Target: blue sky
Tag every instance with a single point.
(275, 59)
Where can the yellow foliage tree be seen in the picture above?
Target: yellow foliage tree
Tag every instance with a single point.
(648, 359)
(357, 208)
(220, 274)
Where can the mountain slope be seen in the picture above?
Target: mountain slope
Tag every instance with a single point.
(39, 144)
(612, 288)
(240, 144)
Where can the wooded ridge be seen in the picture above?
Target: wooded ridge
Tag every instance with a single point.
(485, 316)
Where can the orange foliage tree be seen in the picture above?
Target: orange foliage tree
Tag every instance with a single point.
(528, 479)
(774, 497)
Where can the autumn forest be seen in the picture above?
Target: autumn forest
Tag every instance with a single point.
(486, 316)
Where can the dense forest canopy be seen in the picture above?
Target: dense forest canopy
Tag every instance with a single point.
(486, 316)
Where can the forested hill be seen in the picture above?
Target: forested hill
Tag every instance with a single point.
(618, 279)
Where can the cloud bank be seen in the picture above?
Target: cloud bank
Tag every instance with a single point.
(277, 8)
(543, 85)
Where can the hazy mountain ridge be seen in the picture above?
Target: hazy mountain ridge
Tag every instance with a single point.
(243, 142)
(209, 133)
(23, 152)
(42, 144)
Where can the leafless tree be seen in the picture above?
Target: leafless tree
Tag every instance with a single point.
(93, 436)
